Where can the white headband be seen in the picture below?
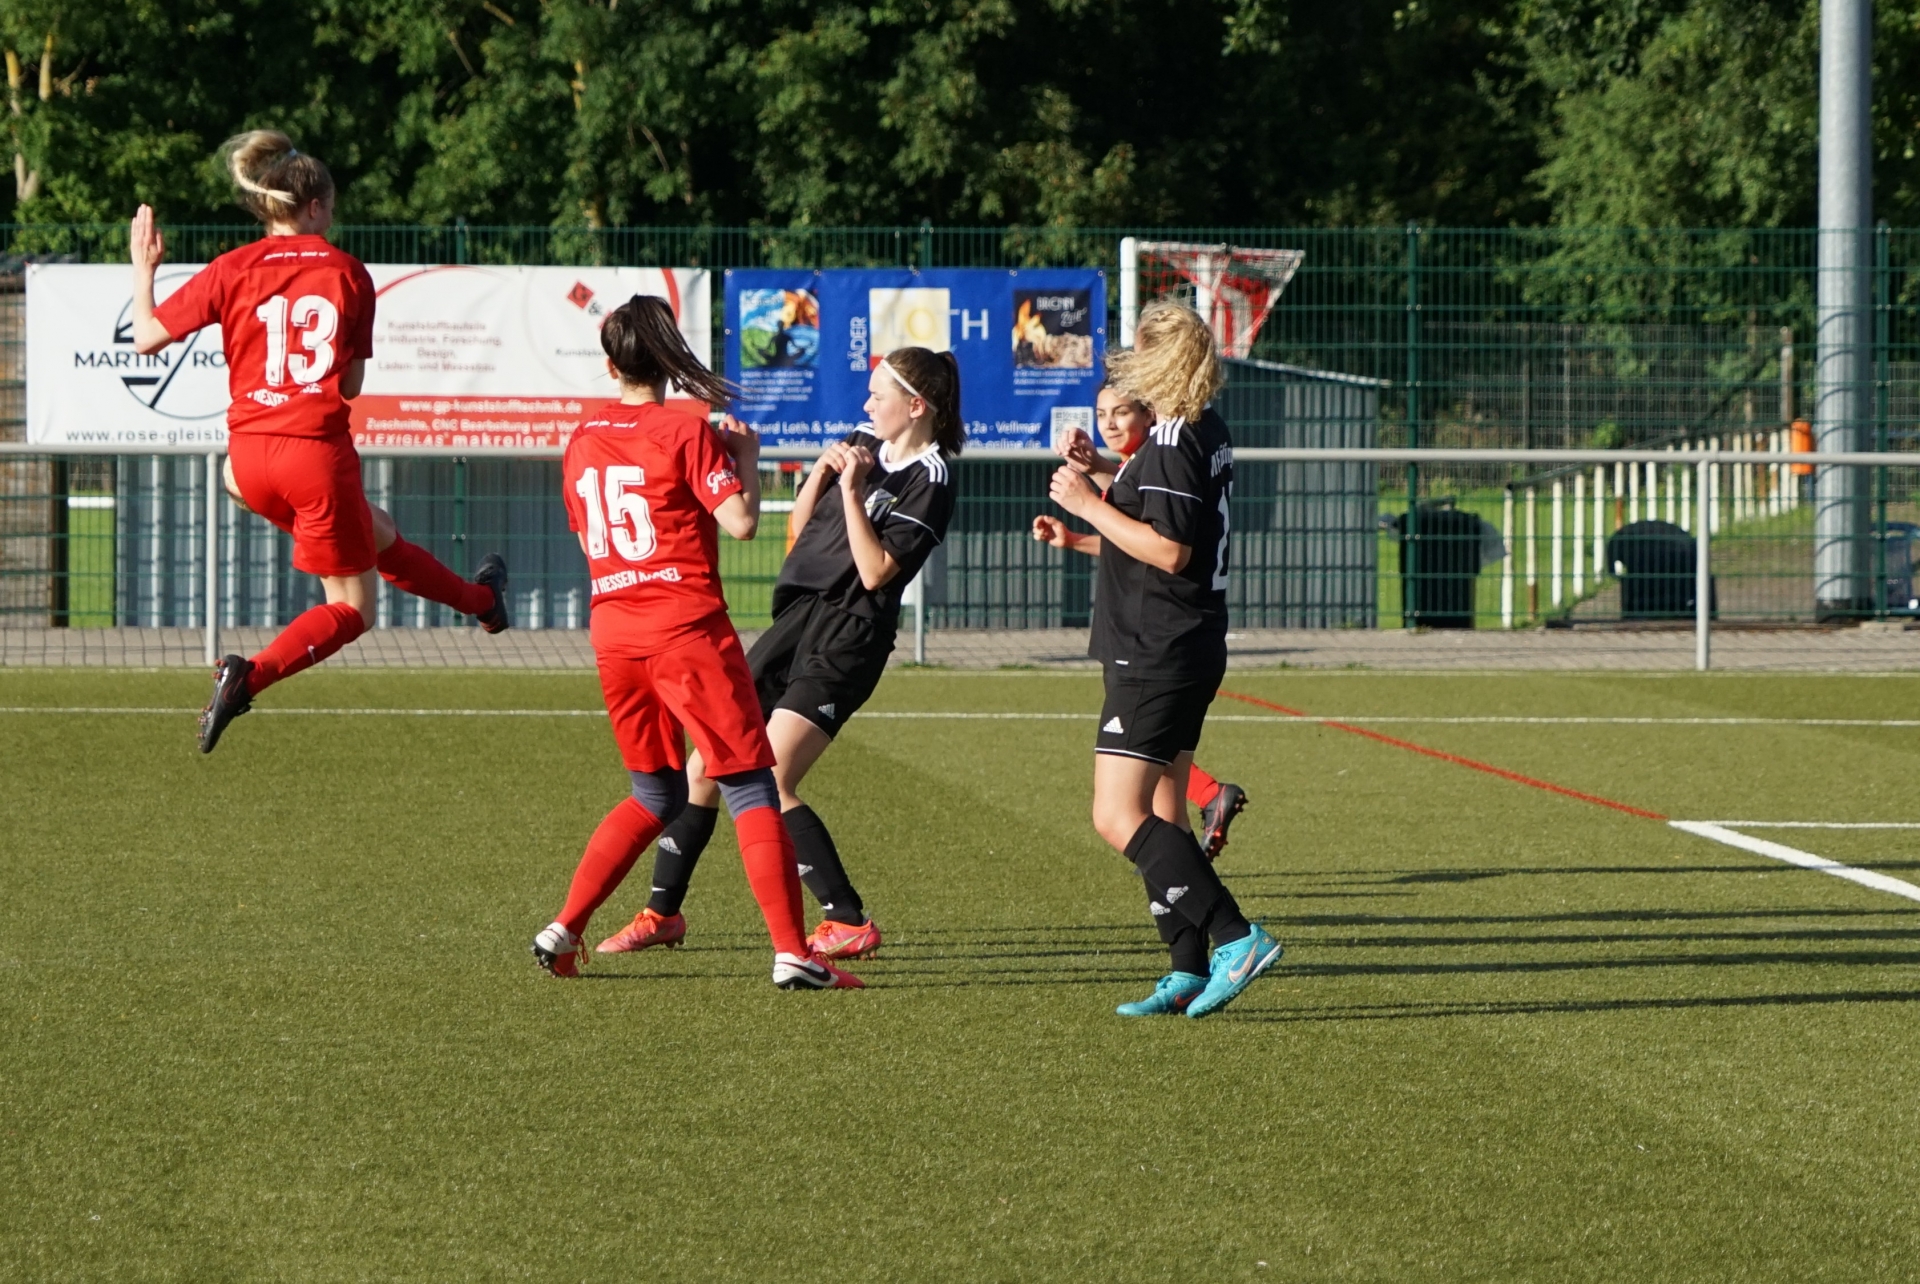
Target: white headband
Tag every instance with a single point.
(902, 381)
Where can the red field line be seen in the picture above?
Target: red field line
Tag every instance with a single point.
(1453, 758)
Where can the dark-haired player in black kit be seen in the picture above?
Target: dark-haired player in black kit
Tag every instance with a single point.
(836, 609)
(1160, 632)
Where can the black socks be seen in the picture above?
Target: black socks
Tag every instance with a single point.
(678, 852)
(820, 867)
(1184, 943)
(1178, 876)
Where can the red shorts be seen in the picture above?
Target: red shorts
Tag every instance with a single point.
(310, 488)
(700, 684)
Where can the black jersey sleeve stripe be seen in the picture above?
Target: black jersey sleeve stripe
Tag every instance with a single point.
(917, 522)
(1168, 490)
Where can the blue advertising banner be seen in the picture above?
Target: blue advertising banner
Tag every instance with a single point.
(1031, 345)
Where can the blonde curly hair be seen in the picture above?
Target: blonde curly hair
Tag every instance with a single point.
(1174, 364)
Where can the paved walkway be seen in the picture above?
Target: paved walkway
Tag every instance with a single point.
(1870, 648)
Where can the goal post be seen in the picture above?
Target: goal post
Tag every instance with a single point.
(1233, 287)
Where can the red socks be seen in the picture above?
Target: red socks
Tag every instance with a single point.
(414, 570)
(1201, 788)
(767, 852)
(314, 635)
(765, 849)
(615, 845)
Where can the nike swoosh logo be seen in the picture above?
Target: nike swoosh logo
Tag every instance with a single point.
(1239, 974)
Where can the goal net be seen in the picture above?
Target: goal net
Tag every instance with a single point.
(1234, 288)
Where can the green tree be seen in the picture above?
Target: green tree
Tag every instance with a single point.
(1705, 113)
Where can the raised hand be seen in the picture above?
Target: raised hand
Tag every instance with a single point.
(1077, 449)
(741, 441)
(145, 244)
(832, 460)
(859, 462)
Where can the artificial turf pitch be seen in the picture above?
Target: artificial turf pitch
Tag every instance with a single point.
(270, 1014)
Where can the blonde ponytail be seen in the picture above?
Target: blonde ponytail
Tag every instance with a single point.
(274, 177)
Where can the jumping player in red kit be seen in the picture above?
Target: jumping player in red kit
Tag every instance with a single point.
(646, 488)
(296, 320)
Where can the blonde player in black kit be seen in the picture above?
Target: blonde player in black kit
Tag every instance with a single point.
(872, 511)
(1160, 633)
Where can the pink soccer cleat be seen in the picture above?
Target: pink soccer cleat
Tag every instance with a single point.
(647, 929)
(833, 940)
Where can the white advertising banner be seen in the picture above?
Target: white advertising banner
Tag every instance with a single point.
(462, 356)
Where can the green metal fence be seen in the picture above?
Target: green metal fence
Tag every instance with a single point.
(1471, 338)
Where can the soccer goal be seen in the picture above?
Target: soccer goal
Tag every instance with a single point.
(1233, 287)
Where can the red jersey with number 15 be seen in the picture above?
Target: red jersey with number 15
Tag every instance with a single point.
(641, 486)
(292, 311)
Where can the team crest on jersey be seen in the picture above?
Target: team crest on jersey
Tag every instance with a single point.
(268, 397)
(720, 477)
(879, 504)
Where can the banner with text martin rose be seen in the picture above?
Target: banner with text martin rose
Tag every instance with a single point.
(462, 356)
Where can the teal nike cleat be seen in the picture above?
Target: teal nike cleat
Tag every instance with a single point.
(1233, 969)
(1169, 998)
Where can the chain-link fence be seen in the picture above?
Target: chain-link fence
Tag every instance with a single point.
(1514, 339)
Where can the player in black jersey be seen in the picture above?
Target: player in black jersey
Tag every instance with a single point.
(1160, 632)
(871, 512)
(1123, 422)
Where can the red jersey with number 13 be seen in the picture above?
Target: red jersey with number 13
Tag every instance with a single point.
(641, 485)
(292, 311)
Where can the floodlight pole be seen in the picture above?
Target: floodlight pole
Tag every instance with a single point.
(1843, 290)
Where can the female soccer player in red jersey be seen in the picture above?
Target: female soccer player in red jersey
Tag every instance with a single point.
(871, 512)
(296, 320)
(1160, 633)
(1123, 421)
(647, 488)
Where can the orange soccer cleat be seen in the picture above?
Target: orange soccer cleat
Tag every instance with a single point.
(833, 940)
(647, 929)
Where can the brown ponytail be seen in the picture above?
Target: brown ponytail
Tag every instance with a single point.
(936, 376)
(275, 178)
(645, 345)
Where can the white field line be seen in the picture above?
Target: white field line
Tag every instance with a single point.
(1812, 824)
(1794, 856)
(937, 715)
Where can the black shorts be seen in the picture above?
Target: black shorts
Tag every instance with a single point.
(1155, 719)
(819, 662)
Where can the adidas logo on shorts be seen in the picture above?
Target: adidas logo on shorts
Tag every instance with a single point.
(1113, 725)
(827, 709)
(1158, 909)
(1175, 893)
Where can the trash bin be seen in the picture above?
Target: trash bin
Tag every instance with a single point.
(1446, 565)
(1901, 597)
(1655, 563)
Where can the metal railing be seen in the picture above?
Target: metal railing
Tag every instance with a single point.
(152, 550)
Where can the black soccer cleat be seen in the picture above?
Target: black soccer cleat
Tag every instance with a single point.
(231, 698)
(1218, 814)
(493, 574)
